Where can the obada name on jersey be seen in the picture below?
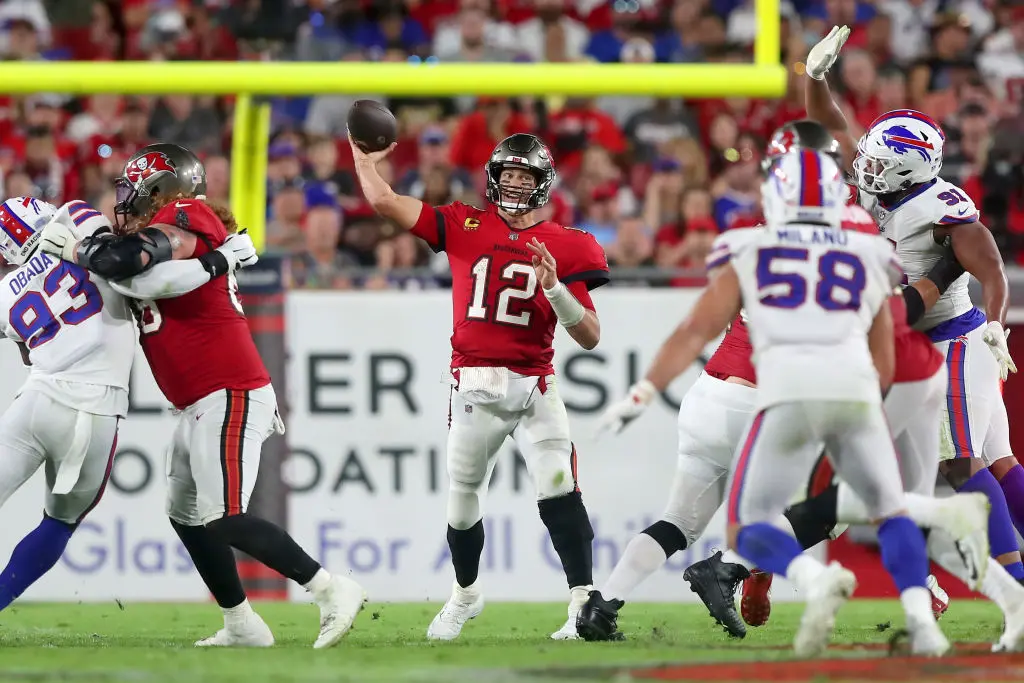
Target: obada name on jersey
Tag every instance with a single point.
(36, 266)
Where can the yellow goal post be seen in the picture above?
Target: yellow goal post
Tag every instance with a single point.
(764, 78)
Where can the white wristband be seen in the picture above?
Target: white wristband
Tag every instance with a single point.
(567, 307)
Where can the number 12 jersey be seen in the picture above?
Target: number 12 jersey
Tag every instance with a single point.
(500, 316)
(811, 294)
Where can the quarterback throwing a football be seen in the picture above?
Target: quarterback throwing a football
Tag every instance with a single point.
(503, 384)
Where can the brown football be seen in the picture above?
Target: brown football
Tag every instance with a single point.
(372, 125)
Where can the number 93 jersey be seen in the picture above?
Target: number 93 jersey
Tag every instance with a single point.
(811, 294)
(79, 333)
(500, 316)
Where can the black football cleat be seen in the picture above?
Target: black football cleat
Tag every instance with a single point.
(715, 583)
(597, 619)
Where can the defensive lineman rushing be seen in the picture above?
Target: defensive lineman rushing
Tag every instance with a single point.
(896, 165)
(503, 382)
(204, 360)
(77, 333)
(815, 299)
(712, 418)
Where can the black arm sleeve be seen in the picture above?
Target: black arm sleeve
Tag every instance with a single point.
(946, 271)
(119, 257)
(943, 274)
(915, 304)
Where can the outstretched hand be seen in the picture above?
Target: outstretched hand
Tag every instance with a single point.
(543, 264)
(823, 55)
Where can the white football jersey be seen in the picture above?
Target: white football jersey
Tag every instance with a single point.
(79, 332)
(908, 224)
(810, 294)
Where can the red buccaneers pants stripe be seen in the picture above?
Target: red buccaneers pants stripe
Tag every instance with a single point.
(236, 415)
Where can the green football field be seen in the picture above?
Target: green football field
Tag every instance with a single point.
(508, 643)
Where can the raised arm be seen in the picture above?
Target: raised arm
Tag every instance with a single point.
(820, 104)
(401, 209)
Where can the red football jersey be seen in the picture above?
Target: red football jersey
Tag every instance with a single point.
(732, 357)
(199, 343)
(917, 359)
(500, 316)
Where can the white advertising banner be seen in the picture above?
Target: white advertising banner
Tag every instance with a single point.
(367, 427)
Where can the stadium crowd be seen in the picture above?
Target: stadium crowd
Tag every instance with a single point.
(653, 179)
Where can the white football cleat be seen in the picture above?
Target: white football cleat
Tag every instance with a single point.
(927, 639)
(464, 604)
(1012, 639)
(965, 518)
(252, 632)
(339, 604)
(577, 598)
(829, 593)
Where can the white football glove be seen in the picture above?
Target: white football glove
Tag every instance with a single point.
(622, 412)
(995, 337)
(59, 239)
(239, 250)
(823, 55)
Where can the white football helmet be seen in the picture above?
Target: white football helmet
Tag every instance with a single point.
(900, 149)
(21, 220)
(804, 186)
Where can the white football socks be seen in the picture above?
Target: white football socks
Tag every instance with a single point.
(643, 557)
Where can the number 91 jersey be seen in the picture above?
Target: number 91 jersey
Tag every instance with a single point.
(79, 333)
(811, 294)
(500, 316)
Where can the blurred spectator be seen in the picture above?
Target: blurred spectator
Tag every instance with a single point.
(1002, 59)
(601, 215)
(859, 79)
(878, 39)
(664, 190)
(473, 27)
(17, 184)
(967, 142)
(948, 58)
(218, 178)
(578, 125)
(320, 264)
(433, 156)
(322, 169)
(552, 28)
(283, 162)
(392, 27)
(648, 130)
(737, 191)
(51, 181)
(741, 27)
(622, 107)
(478, 133)
(102, 115)
(284, 229)
(686, 242)
(401, 252)
(631, 248)
(27, 31)
(683, 42)
(606, 45)
(188, 121)
(448, 36)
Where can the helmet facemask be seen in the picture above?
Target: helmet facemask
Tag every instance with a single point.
(516, 193)
(131, 202)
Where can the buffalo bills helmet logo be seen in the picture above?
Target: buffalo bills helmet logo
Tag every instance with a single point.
(903, 141)
(148, 165)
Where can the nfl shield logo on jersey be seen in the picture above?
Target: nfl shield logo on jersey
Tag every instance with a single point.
(513, 236)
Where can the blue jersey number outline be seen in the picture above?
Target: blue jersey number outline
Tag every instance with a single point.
(796, 286)
(42, 325)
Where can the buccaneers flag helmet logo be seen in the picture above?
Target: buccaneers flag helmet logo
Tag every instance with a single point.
(148, 165)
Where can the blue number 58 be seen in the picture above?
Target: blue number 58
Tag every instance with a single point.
(841, 279)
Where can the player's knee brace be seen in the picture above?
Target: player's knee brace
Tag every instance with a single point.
(571, 534)
(552, 468)
(813, 519)
(669, 536)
